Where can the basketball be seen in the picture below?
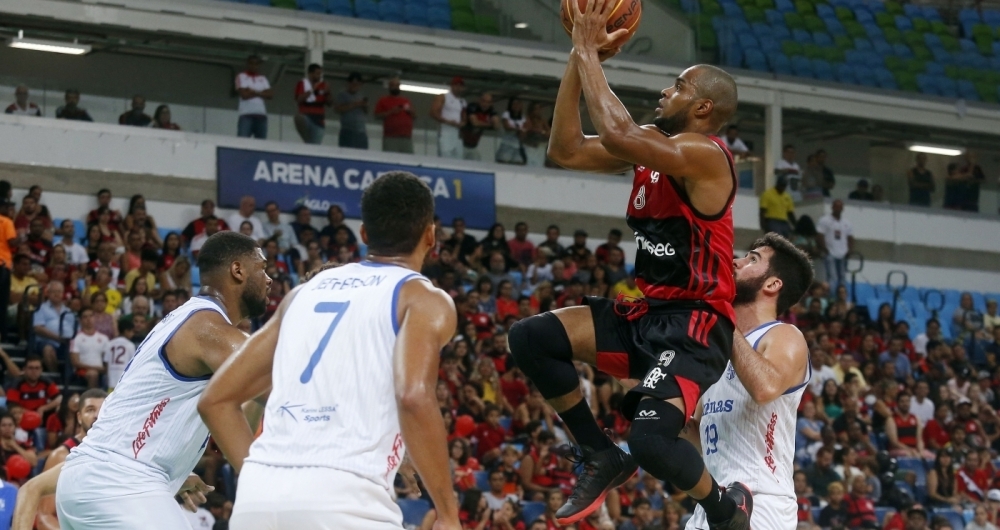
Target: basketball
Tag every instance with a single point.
(626, 15)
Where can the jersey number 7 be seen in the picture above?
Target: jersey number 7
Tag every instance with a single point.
(324, 307)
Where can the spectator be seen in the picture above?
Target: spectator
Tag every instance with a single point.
(552, 242)
(932, 332)
(821, 474)
(252, 88)
(921, 182)
(246, 213)
(916, 518)
(642, 517)
(980, 520)
(807, 431)
(86, 350)
(33, 391)
(496, 497)
(834, 514)
(920, 405)
(9, 237)
(312, 95)
(464, 244)
(303, 220)
(536, 135)
(836, 238)
(161, 119)
(991, 320)
(104, 201)
(905, 433)
(878, 194)
(734, 143)
(197, 227)
(510, 151)
(31, 210)
(21, 106)
(136, 117)
(614, 238)
(578, 251)
(777, 209)
(70, 110)
(972, 178)
(787, 167)
(211, 228)
(812, 179)
(481, 118)
(489, 435)
(10, 447)
(966, 319)
(276, 229)
(75, 252)
(521, 250)
(861, 192)
(397, 115)
(448, 109)
(352, 106)
(972, 480)
(829, 180)
(942, 490)
(335, 222)
(894, 354)
(54, 325)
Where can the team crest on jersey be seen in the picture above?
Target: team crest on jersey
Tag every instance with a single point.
(666, 358)
(640, 198)
(654, 177)
(655, 376)
(730, 373)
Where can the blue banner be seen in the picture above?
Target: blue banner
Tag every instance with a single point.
(319, 182)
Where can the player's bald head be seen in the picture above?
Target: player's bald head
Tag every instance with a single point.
(715, 84)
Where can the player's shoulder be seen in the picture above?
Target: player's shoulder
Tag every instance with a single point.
(421, 292)
(785, 334)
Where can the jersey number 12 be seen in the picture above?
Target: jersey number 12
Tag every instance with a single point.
(324, 307)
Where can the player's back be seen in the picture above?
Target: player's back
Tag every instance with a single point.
(150, 423)
(747, 442)
(332, 403)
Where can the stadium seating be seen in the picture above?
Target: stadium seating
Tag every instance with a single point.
(903, 45)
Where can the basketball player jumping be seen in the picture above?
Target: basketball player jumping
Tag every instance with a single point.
(747, 429)
(148, 437)
(678, 340)
(351, 358)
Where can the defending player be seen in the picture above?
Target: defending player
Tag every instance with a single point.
(677, 341)
(148, 438)
(351, 358)
(747, 419)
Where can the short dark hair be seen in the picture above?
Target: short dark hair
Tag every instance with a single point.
(223, 248)
(125, 324)
(396, 210)
(353, 76)
(21, 257)
(72, 91)
(268, 203)
(149, 254)
(641, 502)
(32, 357)
(313, 67)
(551, 227)
(95, 393)
(788, 146)
(102, 191)
(615, 232)
(789, 264)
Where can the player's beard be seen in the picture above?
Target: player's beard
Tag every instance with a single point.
(255, 300)
(674, 123)
(748, 289)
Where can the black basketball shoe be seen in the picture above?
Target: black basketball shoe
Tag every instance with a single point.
(744, 508)
(603, 471)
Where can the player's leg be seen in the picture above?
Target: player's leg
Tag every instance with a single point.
(544, 347)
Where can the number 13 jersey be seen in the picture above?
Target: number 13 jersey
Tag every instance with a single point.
(747, 442)
(333, 401)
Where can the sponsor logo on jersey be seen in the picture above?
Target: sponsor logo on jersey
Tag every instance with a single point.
(143, 435)
(640, 198)
(395, 457)
(717, 407)
(655, 376)
(659, 249)
(769, 444)
(654, 177)
(667, 357)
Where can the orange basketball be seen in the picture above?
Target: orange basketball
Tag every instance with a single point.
(626, 14)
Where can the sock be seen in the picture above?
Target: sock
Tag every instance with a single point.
(581, 422)
(718, 507)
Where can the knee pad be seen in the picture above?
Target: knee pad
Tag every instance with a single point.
(541, 349)
(655, 446)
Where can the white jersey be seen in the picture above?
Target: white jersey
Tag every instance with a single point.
(150, 423)
(746, 442)
(89, 348)
(333, 401)
(117, 355)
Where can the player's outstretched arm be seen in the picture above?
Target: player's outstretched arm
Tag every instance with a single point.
(568, 146)
(242, 377)
(29, 495)
(779, 363)
(427, 322)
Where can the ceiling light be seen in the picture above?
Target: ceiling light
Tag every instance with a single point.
(521, 25)
(70, 48)
(423, 89)
(935, 150)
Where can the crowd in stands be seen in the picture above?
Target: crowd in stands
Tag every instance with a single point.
(81, 302)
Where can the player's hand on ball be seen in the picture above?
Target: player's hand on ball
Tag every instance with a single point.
(193, 492)
(605, 54)
(590, 31)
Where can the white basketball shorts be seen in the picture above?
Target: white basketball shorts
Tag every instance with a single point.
(770, 512)
(310, 498)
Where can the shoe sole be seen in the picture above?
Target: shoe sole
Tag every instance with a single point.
(750, 511)
(597, 502)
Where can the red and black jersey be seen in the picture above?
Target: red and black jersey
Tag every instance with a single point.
(682, 254)
(906, 429)
(32, 396)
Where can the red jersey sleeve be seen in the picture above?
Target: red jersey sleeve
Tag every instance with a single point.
(52, 391)
(299, 90)
(13, 396)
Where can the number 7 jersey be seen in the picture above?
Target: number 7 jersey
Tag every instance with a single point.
(333, 401)
(747, 442)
